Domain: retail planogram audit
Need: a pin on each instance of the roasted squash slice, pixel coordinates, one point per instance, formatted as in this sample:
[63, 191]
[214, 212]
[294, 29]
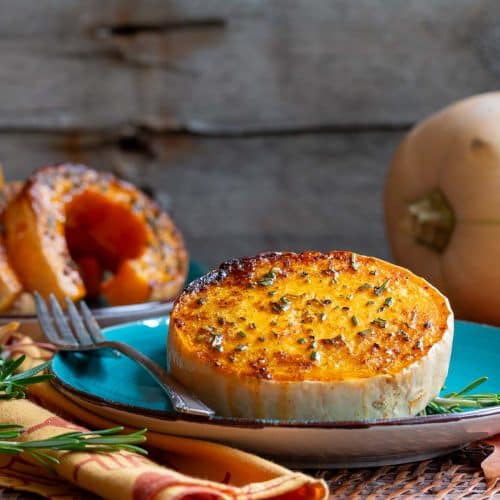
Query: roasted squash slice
[10, 286]
[70, 214]
[334, 336]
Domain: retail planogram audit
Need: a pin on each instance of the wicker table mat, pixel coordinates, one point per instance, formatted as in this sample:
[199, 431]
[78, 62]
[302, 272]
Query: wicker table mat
[453, 476]
[450, 477]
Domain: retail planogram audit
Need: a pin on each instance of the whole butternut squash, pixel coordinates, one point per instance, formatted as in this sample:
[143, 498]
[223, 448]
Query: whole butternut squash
[442, 204]
[70, 214]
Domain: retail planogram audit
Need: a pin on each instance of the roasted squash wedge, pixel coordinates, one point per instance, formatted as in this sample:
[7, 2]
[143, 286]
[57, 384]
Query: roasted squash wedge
[10, 286]
[70, 214]
[334, 336]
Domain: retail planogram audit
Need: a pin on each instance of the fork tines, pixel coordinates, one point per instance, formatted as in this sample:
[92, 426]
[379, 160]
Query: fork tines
[82, 329]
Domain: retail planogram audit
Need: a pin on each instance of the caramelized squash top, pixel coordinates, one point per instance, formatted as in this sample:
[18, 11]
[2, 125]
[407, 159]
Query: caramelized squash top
[309, 316]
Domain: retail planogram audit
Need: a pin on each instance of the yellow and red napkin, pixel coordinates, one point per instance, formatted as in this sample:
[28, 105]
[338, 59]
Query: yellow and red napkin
[182, 468]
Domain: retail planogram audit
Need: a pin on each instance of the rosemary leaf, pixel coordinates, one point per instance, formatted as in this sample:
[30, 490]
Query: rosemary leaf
[106, 440]
[456, 402]
[14, 385]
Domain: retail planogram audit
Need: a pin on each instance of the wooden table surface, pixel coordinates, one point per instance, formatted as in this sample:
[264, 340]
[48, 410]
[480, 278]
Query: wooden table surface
[262, 125]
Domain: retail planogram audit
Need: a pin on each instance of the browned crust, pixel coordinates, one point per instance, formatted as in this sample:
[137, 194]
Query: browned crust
[239, 274]
[244, 266]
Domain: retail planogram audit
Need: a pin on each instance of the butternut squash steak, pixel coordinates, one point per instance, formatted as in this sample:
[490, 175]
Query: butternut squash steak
[71, 226]
[334, 336]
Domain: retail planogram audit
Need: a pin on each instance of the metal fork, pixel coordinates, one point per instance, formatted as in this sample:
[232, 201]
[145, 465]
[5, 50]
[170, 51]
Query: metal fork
[82, 333]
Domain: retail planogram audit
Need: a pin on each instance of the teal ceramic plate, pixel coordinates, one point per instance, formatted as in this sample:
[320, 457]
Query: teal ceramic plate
[118, 389]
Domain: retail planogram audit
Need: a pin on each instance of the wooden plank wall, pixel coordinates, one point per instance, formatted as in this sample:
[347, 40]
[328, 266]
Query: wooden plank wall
[263, 124]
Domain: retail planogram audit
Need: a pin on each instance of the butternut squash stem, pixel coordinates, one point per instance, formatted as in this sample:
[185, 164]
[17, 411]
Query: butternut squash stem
[433, 220]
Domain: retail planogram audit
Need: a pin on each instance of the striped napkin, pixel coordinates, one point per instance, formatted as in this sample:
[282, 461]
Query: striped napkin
[177, 467]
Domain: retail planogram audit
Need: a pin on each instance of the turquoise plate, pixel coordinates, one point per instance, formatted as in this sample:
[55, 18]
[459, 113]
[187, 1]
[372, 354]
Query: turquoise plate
[475, 353]
[120, 390]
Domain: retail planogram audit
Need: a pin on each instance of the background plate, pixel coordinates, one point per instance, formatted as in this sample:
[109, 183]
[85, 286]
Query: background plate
[108, 316]
[91, 381]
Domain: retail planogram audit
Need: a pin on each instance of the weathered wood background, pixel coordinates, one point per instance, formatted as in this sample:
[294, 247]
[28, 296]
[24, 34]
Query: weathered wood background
[263, 124]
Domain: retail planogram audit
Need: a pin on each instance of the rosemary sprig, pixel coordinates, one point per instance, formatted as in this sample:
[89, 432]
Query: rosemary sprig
[107, 440]
[14, 385]
[456, 402]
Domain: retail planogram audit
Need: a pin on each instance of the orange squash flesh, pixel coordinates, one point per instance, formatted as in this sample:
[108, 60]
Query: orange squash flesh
[69, 214]
[114, 229]
[128, 286]
[10, 286]
[91, 272]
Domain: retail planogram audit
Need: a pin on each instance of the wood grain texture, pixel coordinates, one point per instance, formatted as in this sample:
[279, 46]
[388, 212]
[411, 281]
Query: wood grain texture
[262, 125]
[241, 196]
[239, 67]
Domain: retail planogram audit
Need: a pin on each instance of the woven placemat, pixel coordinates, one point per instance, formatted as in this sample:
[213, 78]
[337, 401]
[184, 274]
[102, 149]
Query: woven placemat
[453, 476]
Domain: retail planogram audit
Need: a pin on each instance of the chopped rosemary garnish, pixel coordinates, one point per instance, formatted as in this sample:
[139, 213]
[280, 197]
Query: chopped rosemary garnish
[216, 340]
[379, 322]
[355, 321]
[285, 301]
[241, 347]
[242, 334]
[107, 440]
[388, 302]
[281, 306]
[404, 335]
[364, 333]
[379, 289]
[302, 340]
[315, 356]
[364, 286]
[267, 279]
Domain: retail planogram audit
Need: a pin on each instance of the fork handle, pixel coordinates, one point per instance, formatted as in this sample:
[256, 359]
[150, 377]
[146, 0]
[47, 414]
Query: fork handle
[180, 398]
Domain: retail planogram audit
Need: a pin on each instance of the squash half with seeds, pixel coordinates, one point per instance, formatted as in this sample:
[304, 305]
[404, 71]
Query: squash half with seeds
[334, 336]
[72, 230]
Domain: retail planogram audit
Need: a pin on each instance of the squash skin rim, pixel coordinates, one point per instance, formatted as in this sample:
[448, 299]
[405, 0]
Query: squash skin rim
[235, 395]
